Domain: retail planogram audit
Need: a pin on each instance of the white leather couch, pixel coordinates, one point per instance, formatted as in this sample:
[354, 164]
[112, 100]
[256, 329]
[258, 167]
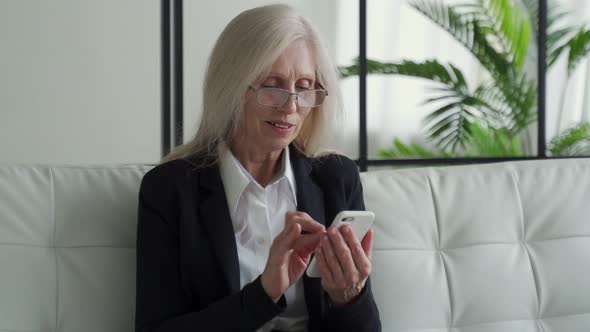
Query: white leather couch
[486, 248]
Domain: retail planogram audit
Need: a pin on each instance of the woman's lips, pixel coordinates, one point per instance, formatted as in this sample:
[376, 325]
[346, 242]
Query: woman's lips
[281, 124]
[281, 127]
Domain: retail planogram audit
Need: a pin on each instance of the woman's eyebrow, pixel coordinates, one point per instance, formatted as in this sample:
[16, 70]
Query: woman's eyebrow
[310, 76]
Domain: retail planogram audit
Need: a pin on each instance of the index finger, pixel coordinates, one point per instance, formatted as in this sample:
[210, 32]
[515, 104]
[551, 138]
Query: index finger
[308, 242]
[367, 243]
[360, 250]
[307, 223]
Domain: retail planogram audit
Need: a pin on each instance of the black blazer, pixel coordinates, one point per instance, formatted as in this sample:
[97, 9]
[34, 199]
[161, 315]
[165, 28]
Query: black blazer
[188, 276]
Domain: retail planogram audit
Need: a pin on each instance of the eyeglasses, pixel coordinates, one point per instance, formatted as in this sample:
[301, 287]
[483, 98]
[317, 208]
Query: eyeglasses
[276, 97]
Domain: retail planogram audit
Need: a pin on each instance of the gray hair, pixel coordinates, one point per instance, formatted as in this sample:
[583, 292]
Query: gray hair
[245, 51]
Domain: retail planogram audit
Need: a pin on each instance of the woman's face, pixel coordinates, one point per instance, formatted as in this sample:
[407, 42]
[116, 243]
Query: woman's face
[270, 129]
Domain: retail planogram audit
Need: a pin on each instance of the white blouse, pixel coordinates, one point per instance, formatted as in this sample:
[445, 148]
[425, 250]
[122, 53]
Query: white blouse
[258, 216]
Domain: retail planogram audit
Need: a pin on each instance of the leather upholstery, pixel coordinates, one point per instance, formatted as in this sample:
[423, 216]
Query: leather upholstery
[486, 248]
[501, 247]
[67, 248]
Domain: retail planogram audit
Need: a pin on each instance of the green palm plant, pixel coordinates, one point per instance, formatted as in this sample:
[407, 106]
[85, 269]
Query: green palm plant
[574, 141]
[498, 33]
[493, 143]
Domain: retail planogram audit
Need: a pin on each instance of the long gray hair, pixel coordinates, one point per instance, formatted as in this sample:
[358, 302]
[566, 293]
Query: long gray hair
[244, 52]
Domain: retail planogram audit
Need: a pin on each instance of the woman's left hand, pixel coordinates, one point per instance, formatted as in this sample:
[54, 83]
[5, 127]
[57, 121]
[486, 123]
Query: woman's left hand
[344, 263]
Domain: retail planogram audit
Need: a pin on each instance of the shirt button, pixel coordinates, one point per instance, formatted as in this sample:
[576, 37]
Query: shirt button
[260, 241]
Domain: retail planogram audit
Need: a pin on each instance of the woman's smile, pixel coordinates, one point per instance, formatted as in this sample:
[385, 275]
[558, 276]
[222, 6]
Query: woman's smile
[282, 128]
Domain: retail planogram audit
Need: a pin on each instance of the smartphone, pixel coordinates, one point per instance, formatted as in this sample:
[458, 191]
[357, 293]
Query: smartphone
[359, 222]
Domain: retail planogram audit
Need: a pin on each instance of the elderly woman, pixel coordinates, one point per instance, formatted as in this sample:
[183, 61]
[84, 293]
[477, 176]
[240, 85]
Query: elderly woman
[229, 221]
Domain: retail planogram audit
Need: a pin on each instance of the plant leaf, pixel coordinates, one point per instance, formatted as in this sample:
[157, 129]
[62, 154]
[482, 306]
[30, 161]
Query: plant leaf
[579, 46]
[467, 30]
[509, 104]
[557, 31]
[507, 24]
[490, 142]
[574, 141]
[400, 149]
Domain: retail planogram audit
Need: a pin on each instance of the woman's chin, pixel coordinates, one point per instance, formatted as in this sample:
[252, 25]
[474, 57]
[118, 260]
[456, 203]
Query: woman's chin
[279, 144]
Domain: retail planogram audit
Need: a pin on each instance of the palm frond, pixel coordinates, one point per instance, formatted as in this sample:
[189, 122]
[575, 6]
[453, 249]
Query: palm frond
[447, 122]
[574, 141]
[579, 46]
[510, 104]
[494, 106]
[490, 142]
[433, 70]
[557, 31]
[524, 106]
[554, 15]
[467, 29]
[557, 43]
[506, 25]
[532, 8]
[514, 28]
[400, 149]
[449, 125]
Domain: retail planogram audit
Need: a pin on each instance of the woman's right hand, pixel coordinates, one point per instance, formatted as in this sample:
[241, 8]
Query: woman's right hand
[290, 253]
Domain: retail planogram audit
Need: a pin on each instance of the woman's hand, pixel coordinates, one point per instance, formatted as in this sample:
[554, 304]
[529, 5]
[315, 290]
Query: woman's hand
[290, 253]
[344, 263]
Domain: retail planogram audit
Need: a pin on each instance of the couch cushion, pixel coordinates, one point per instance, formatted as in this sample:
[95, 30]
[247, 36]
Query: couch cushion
[485, 248]
[498, 247]
[67, 248]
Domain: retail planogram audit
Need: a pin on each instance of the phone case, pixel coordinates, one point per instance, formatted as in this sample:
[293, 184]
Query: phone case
[359, 221]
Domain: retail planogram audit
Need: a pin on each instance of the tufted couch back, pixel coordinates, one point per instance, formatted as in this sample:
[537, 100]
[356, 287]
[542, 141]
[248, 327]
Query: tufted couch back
[488, 248]
[67, 248]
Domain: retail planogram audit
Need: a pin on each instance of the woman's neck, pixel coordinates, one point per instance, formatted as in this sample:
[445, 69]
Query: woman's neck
[262, 165]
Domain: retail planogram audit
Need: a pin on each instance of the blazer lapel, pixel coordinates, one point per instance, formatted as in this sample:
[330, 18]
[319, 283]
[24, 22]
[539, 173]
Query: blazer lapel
[310, 197]
[217, 222]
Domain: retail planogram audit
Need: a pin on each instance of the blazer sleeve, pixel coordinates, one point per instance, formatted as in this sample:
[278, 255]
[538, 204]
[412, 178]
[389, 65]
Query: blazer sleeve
[362, 314]
[161, 301]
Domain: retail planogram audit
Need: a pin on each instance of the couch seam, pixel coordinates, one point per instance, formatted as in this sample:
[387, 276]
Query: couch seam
[519, 320]
[561, 316]
[436, 216]
[440, 252]
[526, 248]
[374, 248]
[54, 248]
[484, 244]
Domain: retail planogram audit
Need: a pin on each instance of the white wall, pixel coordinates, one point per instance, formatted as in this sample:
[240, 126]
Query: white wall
[79, 81]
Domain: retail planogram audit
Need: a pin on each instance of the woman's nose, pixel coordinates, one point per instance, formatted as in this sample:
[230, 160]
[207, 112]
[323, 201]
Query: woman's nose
[290, 105]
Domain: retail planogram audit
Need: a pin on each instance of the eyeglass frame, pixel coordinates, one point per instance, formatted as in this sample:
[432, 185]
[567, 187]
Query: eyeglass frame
[289, 94]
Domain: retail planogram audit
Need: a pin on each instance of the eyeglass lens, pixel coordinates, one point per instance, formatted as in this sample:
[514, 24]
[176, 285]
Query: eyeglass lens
[277, 97]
